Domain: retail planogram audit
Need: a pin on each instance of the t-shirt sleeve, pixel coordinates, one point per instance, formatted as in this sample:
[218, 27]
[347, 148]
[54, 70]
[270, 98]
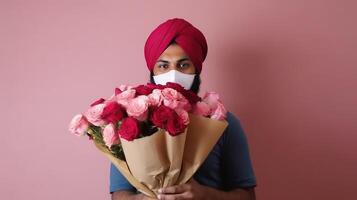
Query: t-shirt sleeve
[237, 167]
[118, 181]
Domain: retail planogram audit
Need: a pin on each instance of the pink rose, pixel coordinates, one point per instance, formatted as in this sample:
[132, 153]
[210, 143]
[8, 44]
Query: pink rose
[138, 107]
[110, 135]
[174, 99]
[94, 113]
[188, 94]
[125, 87]
[219, 113]
[170, 97]
[99, 101]
[212, 99]
[111, 99]
[202, 108]
[184, 104]
[78, 125]
[124, 97]
[155, 98]
[117, 91]
[183, 114]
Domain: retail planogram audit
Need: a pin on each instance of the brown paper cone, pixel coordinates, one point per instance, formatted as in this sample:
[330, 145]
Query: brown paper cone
[123, 168]
[161, 160]
[202, 134]
[156, 160]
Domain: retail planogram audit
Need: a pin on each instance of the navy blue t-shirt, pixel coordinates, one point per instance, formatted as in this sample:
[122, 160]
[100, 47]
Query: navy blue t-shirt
[228, 165]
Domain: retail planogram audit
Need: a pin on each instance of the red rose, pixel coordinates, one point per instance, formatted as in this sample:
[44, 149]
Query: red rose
[154, 86]
[175, 125]
[99, 101]
[175, 86]
[160, 115]
[143, 90]
[113, 112]
[192, 97]
[129, 129]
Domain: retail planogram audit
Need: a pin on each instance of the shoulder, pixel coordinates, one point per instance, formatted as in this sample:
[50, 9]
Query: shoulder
[234, 124]
[232, 119]
[234, 131]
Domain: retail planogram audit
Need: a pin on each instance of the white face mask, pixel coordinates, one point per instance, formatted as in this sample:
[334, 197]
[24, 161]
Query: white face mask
[185, 80]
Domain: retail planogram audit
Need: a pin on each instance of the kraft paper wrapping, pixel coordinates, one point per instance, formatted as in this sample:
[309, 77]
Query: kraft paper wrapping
[156, 160]
[161, 160]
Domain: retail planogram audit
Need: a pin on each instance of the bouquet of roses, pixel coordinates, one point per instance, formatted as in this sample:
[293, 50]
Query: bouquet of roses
[156, 135]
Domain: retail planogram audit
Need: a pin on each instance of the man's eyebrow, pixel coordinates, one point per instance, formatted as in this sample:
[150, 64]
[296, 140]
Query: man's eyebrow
[183, 59]
[180, 60]
[165, 61]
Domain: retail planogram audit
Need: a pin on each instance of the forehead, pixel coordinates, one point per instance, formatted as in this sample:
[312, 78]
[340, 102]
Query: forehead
[173, 52]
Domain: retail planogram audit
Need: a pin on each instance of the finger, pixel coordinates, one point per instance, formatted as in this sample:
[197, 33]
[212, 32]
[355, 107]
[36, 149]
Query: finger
[177, 189]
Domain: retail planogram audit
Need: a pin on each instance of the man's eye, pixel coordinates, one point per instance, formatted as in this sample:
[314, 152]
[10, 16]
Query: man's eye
[164, 66]
[184, 65]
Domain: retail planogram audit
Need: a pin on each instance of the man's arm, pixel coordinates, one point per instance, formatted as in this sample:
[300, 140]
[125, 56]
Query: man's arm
[120, 188]
[128, 195]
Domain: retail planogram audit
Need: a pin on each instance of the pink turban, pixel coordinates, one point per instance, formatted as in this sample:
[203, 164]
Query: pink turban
[189, 38]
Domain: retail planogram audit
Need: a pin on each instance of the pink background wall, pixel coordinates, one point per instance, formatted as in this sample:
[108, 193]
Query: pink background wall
[286, 68]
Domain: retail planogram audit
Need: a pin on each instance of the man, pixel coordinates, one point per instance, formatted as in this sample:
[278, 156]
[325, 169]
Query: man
[174, 52]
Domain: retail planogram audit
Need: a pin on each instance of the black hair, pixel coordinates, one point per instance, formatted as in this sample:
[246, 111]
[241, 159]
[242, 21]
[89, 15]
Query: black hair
[195, 85]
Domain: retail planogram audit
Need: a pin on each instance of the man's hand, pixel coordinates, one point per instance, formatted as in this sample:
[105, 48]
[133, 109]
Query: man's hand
[193, 190]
